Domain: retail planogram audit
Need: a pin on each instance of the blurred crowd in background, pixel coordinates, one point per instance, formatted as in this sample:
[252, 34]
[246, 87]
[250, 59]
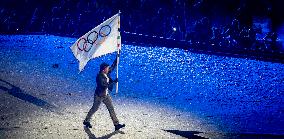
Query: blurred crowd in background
[215, 24]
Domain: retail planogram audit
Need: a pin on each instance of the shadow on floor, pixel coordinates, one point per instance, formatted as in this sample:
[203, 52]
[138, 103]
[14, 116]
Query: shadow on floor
[93, 136]
[20, 94]
[186, 134]
[9, 128]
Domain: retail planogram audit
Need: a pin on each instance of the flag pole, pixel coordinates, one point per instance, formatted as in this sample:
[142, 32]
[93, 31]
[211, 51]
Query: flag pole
[117, 72]
[118, 50]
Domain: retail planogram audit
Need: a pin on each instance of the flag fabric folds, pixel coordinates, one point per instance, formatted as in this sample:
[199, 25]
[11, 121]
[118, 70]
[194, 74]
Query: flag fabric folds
[101, 40]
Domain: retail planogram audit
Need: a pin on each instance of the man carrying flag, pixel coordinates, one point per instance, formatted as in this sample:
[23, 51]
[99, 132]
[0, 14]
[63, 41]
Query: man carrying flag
[101, 40]
[104, 86]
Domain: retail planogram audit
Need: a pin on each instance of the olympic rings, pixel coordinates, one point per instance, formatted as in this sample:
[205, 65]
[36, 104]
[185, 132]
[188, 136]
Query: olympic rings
[105, 30]
[94, 35]
[85, 44]
[78, 44]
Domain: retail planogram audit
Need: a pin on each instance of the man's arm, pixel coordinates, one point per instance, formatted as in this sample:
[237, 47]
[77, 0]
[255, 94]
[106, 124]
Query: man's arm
[113, 65]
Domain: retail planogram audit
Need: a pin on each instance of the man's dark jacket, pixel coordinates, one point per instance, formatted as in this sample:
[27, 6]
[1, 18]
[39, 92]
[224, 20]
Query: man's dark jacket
[102, 84]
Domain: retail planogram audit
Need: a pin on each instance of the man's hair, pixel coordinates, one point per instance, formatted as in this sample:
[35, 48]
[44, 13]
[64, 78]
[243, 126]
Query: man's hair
[103, 66]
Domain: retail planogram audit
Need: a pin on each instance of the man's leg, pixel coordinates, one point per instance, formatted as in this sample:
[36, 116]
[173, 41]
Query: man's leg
[108, 102]
[95, 107]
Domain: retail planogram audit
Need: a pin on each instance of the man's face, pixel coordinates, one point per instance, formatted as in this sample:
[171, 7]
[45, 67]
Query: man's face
[106, 70]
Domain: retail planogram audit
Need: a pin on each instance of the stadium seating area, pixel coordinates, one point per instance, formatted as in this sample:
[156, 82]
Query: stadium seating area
[232, 26]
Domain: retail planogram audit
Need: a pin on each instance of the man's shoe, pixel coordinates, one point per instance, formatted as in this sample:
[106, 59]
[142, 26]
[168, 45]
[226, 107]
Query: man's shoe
[117, 127]
[87, 124]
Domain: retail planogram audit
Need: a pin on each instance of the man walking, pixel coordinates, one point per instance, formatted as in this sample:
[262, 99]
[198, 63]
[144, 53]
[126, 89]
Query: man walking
[104, 87]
